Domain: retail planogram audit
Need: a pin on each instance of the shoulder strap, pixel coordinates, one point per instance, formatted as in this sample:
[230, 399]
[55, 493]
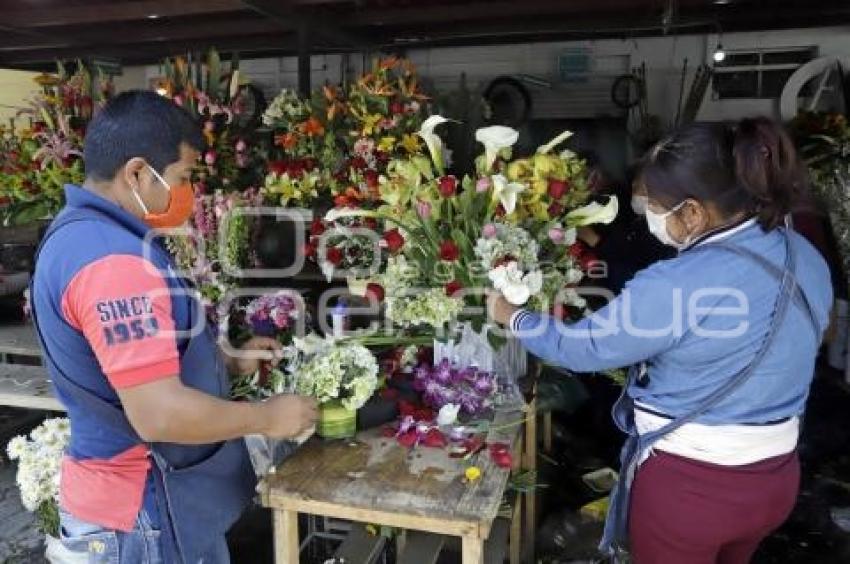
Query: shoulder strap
[111, 414]
[786, 290]
[799, 296]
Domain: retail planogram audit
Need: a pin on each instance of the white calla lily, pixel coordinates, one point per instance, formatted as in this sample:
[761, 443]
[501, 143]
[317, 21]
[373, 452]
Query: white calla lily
[543, 149]
[495, 138]
[433, 141]
[514, 285]
[594, 213]
[506, 192]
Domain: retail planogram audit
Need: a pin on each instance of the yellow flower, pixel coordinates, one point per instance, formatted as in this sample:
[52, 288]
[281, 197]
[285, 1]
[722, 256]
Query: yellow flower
[472, 473]
[386, 144]
[370, 123]
[518, 169]
[410, 142]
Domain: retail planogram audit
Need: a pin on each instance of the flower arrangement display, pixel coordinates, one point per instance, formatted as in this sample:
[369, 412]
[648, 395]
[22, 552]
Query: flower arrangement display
[220, 242]
[511, 226]
[37, 162]
[39, 460]
[824, 141]
[211, 92]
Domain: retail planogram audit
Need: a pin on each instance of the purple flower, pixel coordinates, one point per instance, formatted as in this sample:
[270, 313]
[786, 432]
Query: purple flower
[483, 384]
[482, 185]
[423, 209]
[407, 423]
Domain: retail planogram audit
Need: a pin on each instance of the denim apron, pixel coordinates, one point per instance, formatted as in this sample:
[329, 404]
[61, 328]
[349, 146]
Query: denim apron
[615, 536]
[201, 490]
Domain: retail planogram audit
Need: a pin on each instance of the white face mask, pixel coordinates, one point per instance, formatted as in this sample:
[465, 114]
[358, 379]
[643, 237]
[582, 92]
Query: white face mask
[639, 204]
[657, 223]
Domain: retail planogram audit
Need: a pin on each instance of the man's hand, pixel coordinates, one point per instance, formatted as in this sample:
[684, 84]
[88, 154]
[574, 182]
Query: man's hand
[289, 416]
[499, 309]
[259, 350]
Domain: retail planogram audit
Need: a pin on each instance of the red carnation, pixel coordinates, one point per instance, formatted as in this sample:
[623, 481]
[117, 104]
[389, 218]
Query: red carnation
[317, 227]
[449, 251]
[397, 108]
[394, 240]
[375, 291]
[453, 288]
[448, 186]
[371, 223]
[557, 188]
[334, 256]
[358, 163]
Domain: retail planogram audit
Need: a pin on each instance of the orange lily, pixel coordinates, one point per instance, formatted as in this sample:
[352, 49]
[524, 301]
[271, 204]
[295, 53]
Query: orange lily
[388, 63]
[286, 140]
[312, 127]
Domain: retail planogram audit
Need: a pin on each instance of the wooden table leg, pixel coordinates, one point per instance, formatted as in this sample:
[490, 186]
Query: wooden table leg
[530, 463]
[515, 538]
[547, 432]
[473, 550]
[286, 537]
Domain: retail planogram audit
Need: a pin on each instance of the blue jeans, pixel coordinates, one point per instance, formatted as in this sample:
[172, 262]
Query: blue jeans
[139, 546]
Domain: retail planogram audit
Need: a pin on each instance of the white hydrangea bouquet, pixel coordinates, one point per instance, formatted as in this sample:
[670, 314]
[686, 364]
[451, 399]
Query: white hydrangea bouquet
[342, 376]
[39, 459]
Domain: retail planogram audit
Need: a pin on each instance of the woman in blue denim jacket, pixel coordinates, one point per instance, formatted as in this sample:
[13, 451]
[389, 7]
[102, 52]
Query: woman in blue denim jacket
[724, 339]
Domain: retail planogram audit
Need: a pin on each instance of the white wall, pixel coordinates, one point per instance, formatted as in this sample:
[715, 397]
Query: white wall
[663, 57]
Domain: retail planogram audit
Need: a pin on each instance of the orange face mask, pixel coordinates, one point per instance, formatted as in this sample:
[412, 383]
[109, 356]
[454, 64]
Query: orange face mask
[181, 201]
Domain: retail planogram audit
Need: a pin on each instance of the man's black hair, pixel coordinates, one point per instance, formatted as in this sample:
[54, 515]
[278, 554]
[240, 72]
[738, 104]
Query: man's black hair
[137, 123]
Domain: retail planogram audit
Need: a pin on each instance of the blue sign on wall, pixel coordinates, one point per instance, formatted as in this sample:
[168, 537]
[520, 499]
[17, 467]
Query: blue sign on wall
[575, 64]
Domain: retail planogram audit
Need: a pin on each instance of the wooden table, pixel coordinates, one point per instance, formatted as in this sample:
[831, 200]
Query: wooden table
[19, 339]
[28, 387]
[372, 479]
[23, 385]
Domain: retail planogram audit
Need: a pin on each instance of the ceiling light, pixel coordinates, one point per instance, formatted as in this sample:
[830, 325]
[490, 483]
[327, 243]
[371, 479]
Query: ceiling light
[722, 2]
[719, 54]
[162, 91]
[153, 16]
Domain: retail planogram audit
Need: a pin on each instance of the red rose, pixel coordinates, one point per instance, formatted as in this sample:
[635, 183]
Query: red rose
[309, 249]
[375, 291]
[394, 240]
[448, 186]
[576, 250]
[449, 251]
[371, 223]
[397, 108]
[555, 209]
[453, 288]
[371, 177]
[557, 188]
[334, 256]
[317, 227]
[587, 261]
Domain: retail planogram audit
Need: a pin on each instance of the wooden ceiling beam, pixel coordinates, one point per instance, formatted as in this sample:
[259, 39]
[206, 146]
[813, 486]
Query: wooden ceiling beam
[108, 12]
[318, 22]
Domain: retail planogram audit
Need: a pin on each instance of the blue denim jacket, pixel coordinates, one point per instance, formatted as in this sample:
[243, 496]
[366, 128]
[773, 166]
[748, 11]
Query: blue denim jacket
[696, 320]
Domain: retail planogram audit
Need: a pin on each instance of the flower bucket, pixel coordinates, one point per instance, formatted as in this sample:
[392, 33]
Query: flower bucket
[335, 421]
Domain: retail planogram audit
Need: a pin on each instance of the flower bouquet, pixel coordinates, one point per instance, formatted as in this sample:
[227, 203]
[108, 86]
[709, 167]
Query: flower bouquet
[341, 376]
[39, 460]
[512, 233]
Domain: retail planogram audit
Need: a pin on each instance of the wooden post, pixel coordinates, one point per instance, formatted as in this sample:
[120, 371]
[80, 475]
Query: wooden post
[286, 549]
[473, 550]
[530, 463]
[304, 58]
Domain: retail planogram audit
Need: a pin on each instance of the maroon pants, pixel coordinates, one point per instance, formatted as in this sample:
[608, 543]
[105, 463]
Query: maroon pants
[688, 512]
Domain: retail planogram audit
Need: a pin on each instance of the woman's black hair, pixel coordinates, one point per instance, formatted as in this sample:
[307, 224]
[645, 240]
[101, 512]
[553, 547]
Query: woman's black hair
[750, 166]
[137, 123]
